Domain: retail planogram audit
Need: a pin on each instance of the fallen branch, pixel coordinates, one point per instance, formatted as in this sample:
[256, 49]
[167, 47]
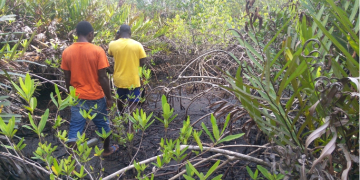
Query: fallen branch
[230, 153]
[190, 147]
[113, 175]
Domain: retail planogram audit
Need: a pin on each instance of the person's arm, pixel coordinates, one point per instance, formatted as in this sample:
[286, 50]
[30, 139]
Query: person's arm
[109, 50]
[142, 55]
[104, 83]
[66, 68]
[142, 62]
[67, 79]
[103, 79]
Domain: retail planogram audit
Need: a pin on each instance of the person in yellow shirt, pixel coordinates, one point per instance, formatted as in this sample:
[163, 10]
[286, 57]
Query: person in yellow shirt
[128, 55]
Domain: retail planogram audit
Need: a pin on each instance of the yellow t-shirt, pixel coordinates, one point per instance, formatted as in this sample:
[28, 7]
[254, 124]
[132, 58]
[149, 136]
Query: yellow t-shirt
[127, 54]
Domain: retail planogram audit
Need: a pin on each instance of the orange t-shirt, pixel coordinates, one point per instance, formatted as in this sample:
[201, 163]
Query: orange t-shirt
[83, 60]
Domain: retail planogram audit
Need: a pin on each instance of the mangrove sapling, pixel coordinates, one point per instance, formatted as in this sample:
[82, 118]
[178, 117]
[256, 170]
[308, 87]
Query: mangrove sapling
[87, 115]
[40, 127]
[140, 168]
[70, 100]
[190, 170]
[253, 175]
[167, 114]
[44, 150]
[216, 137]
[140, 121]
[185, 131]
[44, 153]
[103, 133]
[57, 168]
[27, 88]
[9, 131]
[119, 129]
[68, 166]
[168, 154]
[179, 154]
[81, 173]
[104, 136]
[84, 151]
[130, 137]
[83, 154]
[26, 91]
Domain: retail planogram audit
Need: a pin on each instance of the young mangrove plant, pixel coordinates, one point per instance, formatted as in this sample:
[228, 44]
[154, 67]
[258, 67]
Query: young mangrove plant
[217, 136]
[167, 113]
[190, 170]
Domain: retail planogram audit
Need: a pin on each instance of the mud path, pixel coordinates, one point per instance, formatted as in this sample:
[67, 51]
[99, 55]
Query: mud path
[150, 144]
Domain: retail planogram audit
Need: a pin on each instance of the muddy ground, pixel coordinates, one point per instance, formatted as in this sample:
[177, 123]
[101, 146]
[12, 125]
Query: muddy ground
[150, 144]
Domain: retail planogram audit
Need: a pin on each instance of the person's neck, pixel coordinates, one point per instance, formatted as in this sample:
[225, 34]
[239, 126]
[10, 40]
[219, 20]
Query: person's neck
[125, 37]
[82, 39]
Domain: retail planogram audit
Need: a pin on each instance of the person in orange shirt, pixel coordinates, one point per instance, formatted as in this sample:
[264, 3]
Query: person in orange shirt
[84, 65]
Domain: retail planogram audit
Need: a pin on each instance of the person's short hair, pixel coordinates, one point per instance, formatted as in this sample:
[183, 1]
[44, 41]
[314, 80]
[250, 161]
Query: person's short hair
[83, 28]
[124, 29]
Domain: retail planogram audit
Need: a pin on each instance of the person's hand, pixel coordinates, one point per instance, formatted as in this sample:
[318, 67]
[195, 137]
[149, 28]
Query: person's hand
[109, 103]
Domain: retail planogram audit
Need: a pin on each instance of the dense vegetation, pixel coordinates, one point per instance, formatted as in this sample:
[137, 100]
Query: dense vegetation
[287, 71]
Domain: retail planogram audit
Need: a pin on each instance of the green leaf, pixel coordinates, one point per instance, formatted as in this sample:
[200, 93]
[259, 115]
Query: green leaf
[193, 169]
[2, 3]
[19, 91]
[3, 126]
[99, 134]
[188, 177]
[207, 131]
[256, 174]
[6, 146]
[265, 172]
[231, 137]
[28, 127]
[159, 119]
[217, 177]
[215, 127]
[189, 172]
[352, 62]
[43, 120]
[33, 104]
[197, 139]
[280, 176]
[149, 124]
[159, 162]
[34, 126]
[163, 100]
[14, 49]
[354, 11]
[357, 26]
[250, 172]
[318, 16]
[212, 169]
[53, 100]
[277, 33]
[299, 69]
[226, 123]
